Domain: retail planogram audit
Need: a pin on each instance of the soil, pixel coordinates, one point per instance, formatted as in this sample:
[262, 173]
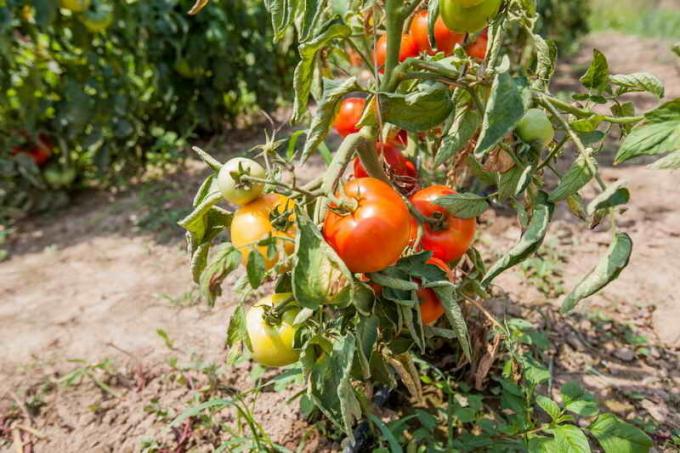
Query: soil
[105, 342]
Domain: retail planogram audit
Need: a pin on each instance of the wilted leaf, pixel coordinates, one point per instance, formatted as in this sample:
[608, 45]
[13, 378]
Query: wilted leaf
[224, 261]
[579, 174]
[607, 270]
[531, 240]
[614, 195]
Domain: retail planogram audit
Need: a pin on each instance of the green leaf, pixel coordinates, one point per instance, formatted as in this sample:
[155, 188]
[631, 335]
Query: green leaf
[507, 105]
[236, 332]
[549, 406]
[659, 134]
[224, 261]
[617, 436]
[570, 439]
[426, 107]
[333, 93]
[302, 79]
[387, 434]
[530, 242]
[586, 125]
[319, 276]
[608, 269]
[579, 174]
[534, 372]
[330, 385]
[255, 269]
[463, 205]
[195, 223]
[308, 17]
[638, 82]
[465, 124]
[454, 314]
[597, 76]
[542, 445]
[614, 195]
[281, 14]
[577, 400]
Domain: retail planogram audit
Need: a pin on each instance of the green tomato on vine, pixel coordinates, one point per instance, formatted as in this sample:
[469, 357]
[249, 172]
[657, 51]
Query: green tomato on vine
[233, 188]
[535, 128]
[272, 344]
[468, 19]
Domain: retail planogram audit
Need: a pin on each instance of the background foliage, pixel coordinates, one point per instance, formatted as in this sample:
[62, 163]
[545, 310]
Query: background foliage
[112, 102]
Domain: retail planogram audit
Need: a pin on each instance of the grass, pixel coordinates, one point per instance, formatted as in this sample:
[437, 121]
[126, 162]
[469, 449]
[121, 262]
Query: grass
[647, 18]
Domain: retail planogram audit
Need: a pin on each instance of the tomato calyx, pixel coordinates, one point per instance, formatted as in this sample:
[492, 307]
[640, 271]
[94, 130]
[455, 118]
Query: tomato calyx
[273, 315]
[281, 218]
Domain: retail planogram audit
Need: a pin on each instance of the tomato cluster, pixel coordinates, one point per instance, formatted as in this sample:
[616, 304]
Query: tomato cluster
[448, 32]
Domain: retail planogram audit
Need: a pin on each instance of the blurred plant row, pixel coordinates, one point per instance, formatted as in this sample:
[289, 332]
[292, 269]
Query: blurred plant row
[92, 92]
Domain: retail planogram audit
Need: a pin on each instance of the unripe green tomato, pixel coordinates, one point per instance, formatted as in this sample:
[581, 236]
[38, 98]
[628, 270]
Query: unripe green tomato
[468, 20]
[240, 192]
[535, 127]
[58, 177]
[272, 345]
[77, 6]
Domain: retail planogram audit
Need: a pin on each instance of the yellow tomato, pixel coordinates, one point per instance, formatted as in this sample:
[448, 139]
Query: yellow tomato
[272, 345]
[252, 223]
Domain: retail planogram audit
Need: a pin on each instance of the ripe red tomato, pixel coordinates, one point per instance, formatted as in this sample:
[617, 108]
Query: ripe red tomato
[39, 153]
[450, 239]
[375, 233]
[400, 169]
[478, 48]
[407, 48]
[431, 308]
[445, 39]
[348, 116]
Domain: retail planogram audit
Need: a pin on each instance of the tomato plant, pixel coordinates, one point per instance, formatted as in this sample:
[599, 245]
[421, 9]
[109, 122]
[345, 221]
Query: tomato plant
[374, 300]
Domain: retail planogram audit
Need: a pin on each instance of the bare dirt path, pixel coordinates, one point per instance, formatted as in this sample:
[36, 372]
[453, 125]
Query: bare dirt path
[98, 280]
